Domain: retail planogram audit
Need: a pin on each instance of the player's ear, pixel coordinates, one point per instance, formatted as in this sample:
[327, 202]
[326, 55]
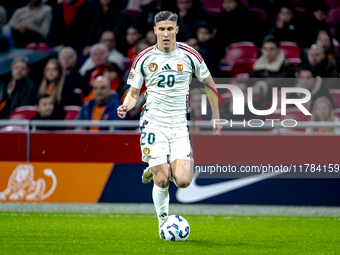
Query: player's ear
[177, 30]
[155, 30]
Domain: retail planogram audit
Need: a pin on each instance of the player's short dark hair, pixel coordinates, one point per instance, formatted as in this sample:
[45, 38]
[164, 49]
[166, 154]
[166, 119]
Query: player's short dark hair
[165, 15]
[40, 96]
[272, 39]
[307, 67]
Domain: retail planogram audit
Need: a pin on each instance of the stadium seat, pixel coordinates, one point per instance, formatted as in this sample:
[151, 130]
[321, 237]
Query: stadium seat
[336, 97]
[333, 3]
[299, 3]
[240, 50]
[259, 12]
[337, 112]
[13, 129]
[71, 112]
[38, 46]
[290, 49]
[208, 4]
[243, 66]
[333, 19]
[133, 14]
[295, 114]
[300, 10]
[245, 2]
[23, 113]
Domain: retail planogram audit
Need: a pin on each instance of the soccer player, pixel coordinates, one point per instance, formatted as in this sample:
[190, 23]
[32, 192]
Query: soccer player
[166, 68]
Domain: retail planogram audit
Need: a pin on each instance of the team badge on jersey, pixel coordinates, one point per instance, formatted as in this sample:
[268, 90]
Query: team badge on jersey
[146, 151]
[179, 66]
[153, 67]
[131, 76]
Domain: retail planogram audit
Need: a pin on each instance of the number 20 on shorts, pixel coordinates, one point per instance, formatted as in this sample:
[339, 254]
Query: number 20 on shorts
[151, 138]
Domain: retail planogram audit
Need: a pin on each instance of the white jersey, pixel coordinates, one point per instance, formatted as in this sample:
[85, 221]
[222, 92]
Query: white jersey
[167, 78]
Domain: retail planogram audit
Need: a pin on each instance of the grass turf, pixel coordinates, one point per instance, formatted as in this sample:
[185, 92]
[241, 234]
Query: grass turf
[93, 233]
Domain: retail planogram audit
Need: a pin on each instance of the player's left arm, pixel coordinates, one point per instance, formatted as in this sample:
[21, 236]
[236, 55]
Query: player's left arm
[214, 107]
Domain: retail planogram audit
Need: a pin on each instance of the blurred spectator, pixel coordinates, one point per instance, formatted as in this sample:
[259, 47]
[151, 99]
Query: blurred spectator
[313, 83]
[107, 38]
[325, 41]
[31, 23]
[286, 27]
[45, 111]
[106, 17]
[70, 24]
[99, 55]
[189, 13]
[207, 46]
[314, 21]
[150, 10]
[195, 110]
[3, 17]
[68, 59]
[271, 68]
[57, 85]
[113, 74]
[324, 66]
[323, 111]
[103, 106]
[272, 63]
[133, 36]
[233, 12]
[143, 45]
[151, 37]
[227, 112]
[19, 91]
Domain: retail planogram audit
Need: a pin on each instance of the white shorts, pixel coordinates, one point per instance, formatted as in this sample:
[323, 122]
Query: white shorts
[164, 144]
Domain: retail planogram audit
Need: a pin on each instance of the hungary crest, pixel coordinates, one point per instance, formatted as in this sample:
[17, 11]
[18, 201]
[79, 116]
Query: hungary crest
[153, 67]
[179, 66]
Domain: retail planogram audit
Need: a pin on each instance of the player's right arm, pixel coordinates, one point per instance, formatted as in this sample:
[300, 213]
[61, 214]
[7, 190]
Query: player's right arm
[129, 102]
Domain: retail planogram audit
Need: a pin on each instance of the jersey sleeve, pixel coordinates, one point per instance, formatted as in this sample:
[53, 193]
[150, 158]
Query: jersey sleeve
[135, 78]
[201, 71]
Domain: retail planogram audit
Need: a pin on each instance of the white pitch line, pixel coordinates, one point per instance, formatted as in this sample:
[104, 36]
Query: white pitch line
[205, 209]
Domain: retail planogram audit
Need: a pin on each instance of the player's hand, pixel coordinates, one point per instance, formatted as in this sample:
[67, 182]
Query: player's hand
[217, 128]
[121, 111]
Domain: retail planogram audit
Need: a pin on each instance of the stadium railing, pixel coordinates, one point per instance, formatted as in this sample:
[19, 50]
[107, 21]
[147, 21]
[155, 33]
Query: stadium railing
[31, 126]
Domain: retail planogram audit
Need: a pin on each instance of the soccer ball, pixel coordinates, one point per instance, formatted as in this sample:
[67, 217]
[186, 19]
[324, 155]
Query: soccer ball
[174, 228]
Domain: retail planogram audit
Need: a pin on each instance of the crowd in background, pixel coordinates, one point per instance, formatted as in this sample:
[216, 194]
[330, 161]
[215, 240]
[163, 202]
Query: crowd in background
[97, 40]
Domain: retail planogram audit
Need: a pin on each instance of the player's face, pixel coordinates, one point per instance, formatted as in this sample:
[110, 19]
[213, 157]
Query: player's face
[166, 33]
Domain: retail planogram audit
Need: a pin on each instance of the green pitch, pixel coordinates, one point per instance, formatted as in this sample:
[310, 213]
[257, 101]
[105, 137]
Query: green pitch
[93, 233]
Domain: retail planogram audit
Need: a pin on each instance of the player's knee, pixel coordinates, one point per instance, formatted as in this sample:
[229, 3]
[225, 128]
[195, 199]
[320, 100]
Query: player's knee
[162, 182]
[183, 182]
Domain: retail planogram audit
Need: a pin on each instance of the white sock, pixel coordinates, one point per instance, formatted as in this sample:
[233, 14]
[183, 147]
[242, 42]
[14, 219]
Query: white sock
[161, 199]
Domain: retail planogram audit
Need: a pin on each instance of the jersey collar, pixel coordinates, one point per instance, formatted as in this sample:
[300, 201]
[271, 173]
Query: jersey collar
[163, 53]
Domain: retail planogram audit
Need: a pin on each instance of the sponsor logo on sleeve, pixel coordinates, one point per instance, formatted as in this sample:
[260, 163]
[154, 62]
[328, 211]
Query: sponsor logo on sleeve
[131, 76]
